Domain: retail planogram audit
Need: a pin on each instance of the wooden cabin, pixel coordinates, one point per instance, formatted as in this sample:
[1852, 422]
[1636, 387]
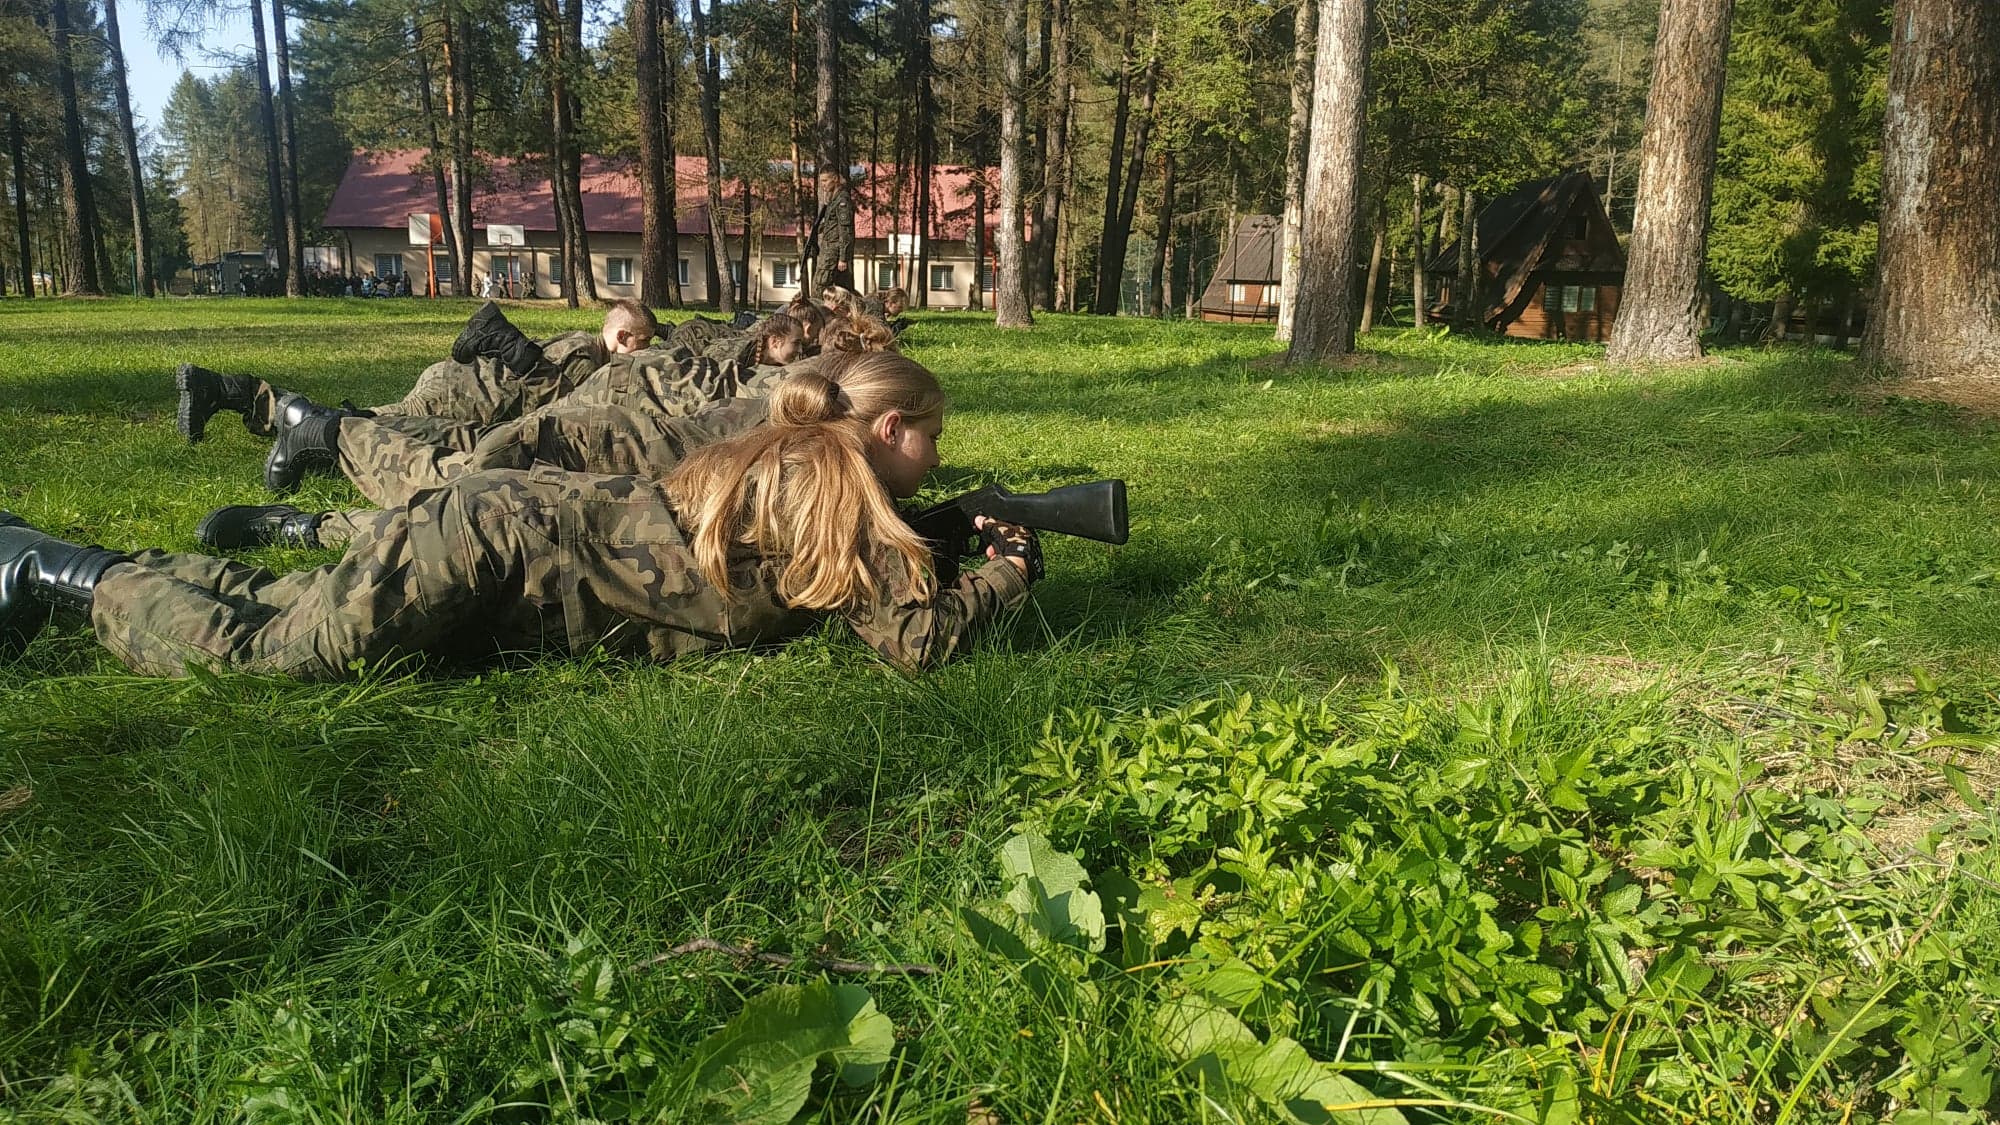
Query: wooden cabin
[1551, 265]
[1245, 284]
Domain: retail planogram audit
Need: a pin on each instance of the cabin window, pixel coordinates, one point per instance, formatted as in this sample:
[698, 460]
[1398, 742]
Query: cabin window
[556, 274]
[941, 279]
[1569, 298]
[1239, 293]
[681, 270]
[618, 271]
[388, 265]
[989, 276]
[784, 275]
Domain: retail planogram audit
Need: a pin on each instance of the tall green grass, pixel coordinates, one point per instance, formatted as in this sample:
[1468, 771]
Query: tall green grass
[229, 897]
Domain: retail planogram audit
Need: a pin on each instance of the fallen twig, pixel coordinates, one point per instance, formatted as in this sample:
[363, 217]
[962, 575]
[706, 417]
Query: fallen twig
[710, 945]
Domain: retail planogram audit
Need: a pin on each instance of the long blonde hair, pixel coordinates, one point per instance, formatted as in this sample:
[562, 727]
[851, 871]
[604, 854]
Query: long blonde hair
[802, 486]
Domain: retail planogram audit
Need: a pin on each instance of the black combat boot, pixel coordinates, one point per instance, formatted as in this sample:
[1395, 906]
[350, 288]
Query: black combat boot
[308, 438]
[203, 392]
[490, 334]
[40, 574]
[258, 525]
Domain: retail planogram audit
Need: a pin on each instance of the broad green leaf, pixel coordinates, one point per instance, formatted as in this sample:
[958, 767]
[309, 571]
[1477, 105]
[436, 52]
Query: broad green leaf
[1279, 1073]
[1048, 892]
[758, 1069]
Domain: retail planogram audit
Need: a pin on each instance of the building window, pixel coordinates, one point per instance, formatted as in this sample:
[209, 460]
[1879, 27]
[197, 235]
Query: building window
[1239, 293]
[389, 265]
[442, 266]
[682, 269]
[555, 271]
[1569, 298]
[885, 275]
[989, 276]
[735, 271]
[784, 275]
[940, 279]
[618, 271]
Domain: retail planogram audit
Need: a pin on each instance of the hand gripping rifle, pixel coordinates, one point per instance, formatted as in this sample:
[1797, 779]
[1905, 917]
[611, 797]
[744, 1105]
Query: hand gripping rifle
[1093, 511]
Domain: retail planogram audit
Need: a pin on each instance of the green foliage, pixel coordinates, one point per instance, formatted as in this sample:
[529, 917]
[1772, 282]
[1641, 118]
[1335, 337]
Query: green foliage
[758, 1069]
[1798, 163]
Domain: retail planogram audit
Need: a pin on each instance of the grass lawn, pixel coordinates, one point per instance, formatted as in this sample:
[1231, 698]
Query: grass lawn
[1477, 728]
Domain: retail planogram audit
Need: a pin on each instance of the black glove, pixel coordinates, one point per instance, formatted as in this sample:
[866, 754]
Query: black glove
[1012, 541]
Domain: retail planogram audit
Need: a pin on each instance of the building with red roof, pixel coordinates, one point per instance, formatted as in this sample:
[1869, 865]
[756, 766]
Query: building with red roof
[380, 215]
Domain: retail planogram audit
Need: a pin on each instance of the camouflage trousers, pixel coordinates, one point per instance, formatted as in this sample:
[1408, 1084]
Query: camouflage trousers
[698, 333]
[484, 391]
[499, 561]
[391, 467]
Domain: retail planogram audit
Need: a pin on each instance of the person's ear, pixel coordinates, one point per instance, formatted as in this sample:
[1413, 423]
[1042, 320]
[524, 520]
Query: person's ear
[889, 427]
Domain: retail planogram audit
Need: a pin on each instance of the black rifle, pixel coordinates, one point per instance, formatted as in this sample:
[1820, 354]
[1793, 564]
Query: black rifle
[1093, 511]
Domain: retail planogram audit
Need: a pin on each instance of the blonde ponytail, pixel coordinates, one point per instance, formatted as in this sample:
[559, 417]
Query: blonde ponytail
[803, 488]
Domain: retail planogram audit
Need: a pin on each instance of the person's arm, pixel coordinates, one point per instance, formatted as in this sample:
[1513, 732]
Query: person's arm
[916, 632]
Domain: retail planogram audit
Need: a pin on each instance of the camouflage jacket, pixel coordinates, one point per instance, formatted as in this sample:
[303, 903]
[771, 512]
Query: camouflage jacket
[606, 555]
[672, 382]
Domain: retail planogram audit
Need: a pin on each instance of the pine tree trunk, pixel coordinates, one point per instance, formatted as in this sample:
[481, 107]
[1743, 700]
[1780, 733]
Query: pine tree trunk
[79, 211]
[1056, 169]
[1323, 323]
[1305, 25]
[142, 225]
[583, 279]
[1163, 228]
[659, 273]
[834, 264]
[1374, 267]
[1659, 314]
[722, 291]
[1110, 273]
[23, 231]
[1471, 306]
[1936, 313]
[429, 109]
[799, 199]
[267, 124]
[1010, 297]
[458, 157]
[926, 113]
[288, 144]
[979, 248]
[1119, 238]
[1421, 315]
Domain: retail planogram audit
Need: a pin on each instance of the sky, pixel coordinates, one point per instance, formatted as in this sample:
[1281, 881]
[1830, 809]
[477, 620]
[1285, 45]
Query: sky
[152, 77]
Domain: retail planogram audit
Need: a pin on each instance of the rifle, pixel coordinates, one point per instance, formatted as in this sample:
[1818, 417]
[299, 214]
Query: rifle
[1092, 511]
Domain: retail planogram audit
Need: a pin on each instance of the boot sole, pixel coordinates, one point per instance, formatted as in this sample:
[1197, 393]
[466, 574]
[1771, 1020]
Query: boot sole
[191, 428]
[207, 531]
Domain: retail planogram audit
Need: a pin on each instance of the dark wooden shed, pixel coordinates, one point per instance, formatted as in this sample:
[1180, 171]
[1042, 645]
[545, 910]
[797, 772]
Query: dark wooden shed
[1245, 283]
[1551, 265]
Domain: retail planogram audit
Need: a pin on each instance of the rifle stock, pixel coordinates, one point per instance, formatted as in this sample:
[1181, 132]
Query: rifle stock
[1095, 510]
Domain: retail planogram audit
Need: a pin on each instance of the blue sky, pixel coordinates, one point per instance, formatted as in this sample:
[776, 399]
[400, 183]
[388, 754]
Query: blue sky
[152, 76]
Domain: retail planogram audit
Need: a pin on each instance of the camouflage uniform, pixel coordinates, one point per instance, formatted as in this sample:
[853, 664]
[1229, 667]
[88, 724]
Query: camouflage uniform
[665, 381]
[500, 561]
[698, 333]
[390, 467]
[483, 391]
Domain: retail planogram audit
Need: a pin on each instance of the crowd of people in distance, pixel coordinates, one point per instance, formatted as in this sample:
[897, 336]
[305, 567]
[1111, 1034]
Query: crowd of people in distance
[733, 484]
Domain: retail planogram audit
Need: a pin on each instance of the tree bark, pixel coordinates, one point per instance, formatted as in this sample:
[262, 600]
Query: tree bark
[1056, 168]
[267, 123]
[1120, 236]
[1305, 25]
[834, 263]
[1374, 266]
[1659, 313]
[429, 109]
[1420, 316]
[128, 135]
[1936, 313]
[926, 113]
[1323, 324]
[582, 278]
[1010, 298]
[1163, 227]
[659, 269]
[458, 158]
[288, 143]
[79, 210]
[23, 231]
[722, 290]
[1114, 271]
[1471, 307]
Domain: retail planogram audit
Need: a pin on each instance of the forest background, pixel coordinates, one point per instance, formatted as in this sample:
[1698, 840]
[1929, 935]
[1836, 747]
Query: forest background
[1151, 127]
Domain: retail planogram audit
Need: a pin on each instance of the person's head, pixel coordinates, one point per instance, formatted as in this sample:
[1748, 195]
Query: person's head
[778, 340]
[812, 322]
[628, 326]
[839, 300]
[858, 334]
[895, 300]
[817, 485]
